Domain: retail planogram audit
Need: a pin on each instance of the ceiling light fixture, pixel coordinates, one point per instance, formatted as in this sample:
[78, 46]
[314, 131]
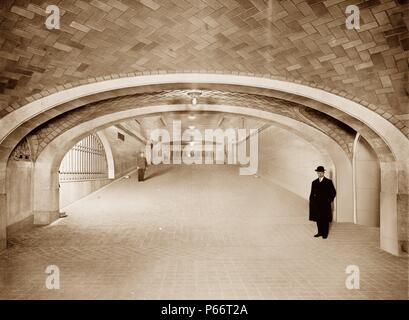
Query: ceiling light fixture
[194, 95]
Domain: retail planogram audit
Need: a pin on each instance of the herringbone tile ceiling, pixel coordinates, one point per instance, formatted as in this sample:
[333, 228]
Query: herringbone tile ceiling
[294, 39]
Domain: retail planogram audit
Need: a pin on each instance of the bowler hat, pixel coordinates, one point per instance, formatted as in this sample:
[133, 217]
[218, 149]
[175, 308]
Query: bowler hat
[320, 169]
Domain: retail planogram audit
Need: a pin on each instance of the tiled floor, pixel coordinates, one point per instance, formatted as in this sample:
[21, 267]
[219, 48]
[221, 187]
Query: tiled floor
[197, 232]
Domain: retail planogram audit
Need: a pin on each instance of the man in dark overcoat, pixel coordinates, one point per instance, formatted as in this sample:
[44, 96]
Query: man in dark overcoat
[321, 196]
[142, 164]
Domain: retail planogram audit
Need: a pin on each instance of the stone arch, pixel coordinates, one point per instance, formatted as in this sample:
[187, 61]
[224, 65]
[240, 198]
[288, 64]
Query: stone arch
[49, 101]
[287, 78]
[12, 139]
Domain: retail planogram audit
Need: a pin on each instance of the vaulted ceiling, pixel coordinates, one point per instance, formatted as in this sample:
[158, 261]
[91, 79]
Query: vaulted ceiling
[337, 130]
[304, 41]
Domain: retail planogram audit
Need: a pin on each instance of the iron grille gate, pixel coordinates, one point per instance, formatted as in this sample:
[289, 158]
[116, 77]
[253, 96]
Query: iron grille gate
[85, 161]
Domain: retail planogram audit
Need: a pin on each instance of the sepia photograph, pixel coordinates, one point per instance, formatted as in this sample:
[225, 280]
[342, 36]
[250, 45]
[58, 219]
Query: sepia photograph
[226, 151]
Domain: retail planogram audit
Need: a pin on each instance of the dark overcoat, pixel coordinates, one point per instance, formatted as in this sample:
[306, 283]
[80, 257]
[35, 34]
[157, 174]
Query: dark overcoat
[141, 162]
[321, 196]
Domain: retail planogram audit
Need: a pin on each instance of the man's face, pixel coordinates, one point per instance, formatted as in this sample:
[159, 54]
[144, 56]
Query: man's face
[320, 174]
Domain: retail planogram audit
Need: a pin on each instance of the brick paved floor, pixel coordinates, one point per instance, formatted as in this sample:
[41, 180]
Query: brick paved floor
[197, 233]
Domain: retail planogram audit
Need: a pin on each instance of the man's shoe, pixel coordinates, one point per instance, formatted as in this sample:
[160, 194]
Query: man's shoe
[324, 237]
[317, 235]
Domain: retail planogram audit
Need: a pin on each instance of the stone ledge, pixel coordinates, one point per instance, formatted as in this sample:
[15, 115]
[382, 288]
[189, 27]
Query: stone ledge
[19, 226]
[45, 217]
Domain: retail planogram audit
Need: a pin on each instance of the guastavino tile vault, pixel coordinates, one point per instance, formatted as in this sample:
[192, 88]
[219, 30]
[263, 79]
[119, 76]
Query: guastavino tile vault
[206, 149]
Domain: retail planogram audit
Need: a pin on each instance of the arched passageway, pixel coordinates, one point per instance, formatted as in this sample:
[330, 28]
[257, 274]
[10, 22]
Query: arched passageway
[390, 143]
